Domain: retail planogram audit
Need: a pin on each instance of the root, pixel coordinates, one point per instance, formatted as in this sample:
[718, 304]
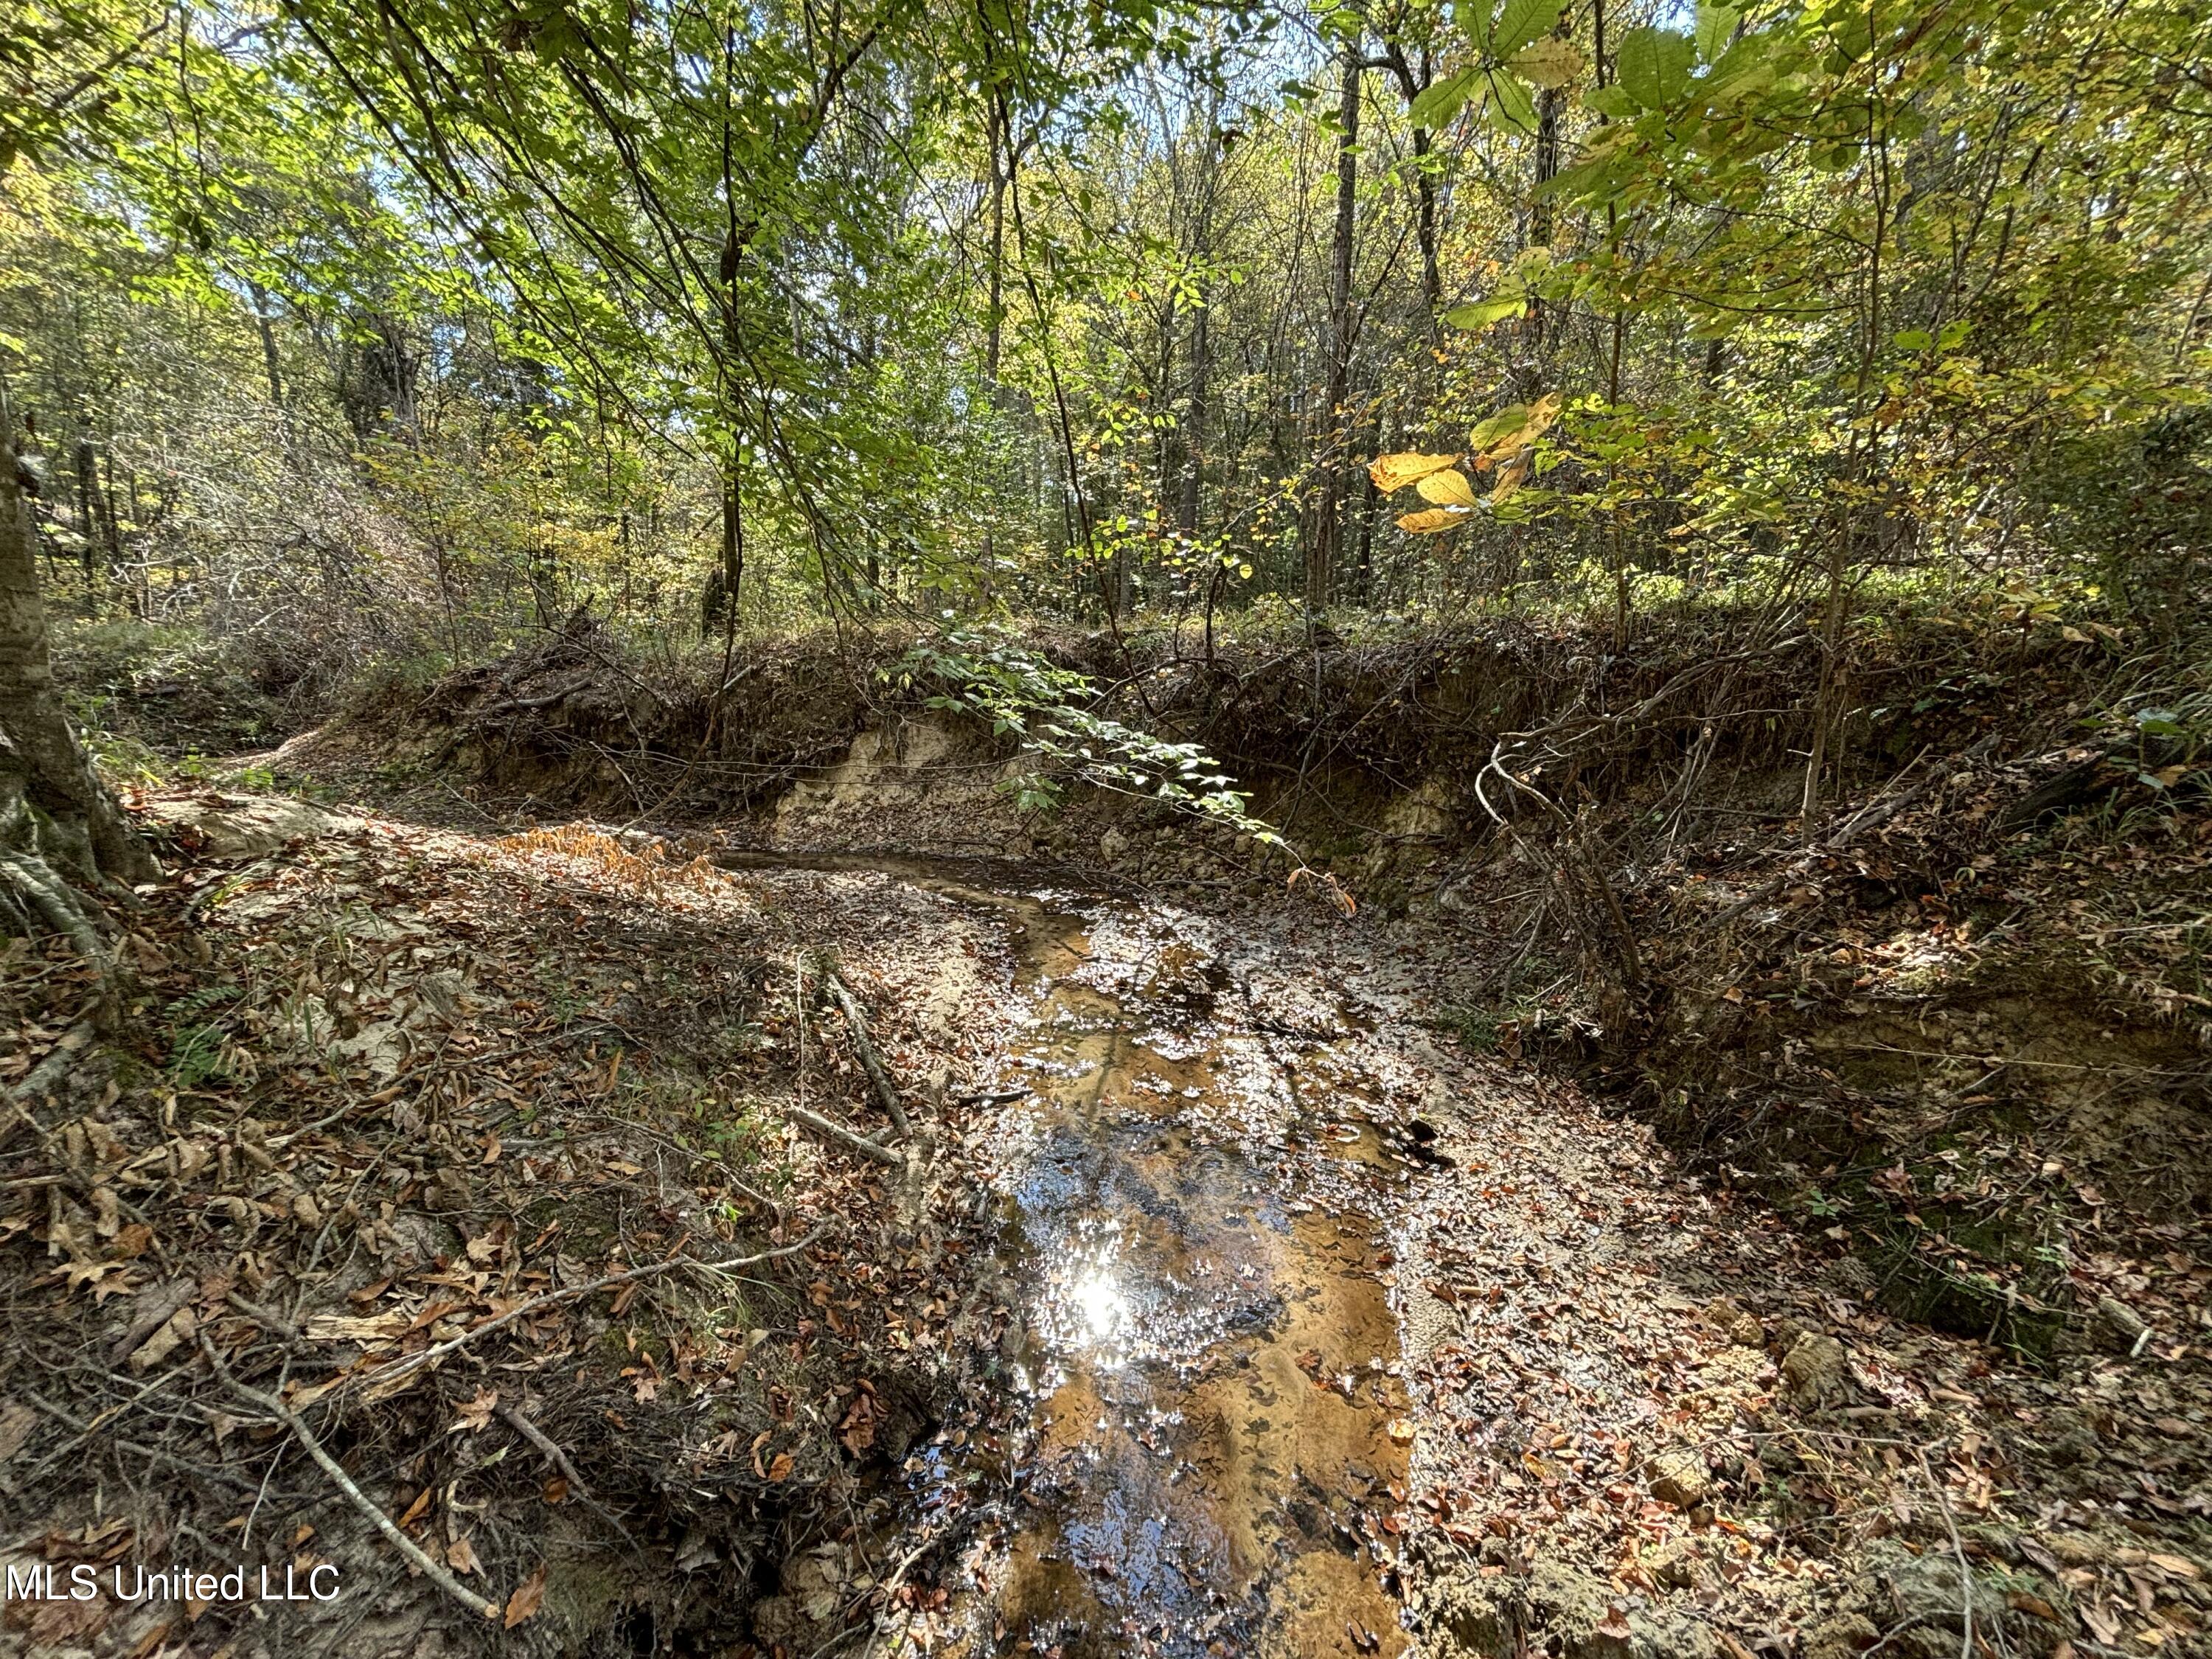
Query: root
[32, 889]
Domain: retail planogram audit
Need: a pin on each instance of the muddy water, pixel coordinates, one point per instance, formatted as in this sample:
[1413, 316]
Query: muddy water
[1195, 1207]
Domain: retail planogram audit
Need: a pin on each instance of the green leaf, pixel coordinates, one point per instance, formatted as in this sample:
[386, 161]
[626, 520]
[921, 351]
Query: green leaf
[1510, 422]
[1481, 314]
[1441, 100]
[1654, 66]
[1613, 101]
[1511, 105]
[1520, 23]
[1716, 28]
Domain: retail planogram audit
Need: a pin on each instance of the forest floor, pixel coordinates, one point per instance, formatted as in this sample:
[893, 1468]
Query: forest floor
[1232, 1290]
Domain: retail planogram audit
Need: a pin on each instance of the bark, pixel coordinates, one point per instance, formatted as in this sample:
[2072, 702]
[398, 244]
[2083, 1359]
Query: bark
[54, 809]
[1322, 546]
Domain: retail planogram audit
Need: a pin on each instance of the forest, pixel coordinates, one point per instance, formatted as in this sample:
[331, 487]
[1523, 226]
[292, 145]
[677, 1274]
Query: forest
[1168, 827]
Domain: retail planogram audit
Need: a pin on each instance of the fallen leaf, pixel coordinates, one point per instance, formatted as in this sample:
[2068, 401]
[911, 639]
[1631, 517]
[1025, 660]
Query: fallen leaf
[179, 1327]
[461, 1556]
[16, 1422]
[528, 1596]
[476, 1413]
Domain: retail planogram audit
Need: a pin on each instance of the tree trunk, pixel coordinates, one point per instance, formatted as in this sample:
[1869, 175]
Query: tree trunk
[1322, 546]
[54, 811]
[1193, 423]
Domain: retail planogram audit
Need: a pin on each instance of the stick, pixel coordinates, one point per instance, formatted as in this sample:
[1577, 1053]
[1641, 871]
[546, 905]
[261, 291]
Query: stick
[838, 1132]
[870, 1062]
[429, 1568]
[1959, 1554]
[438, 1350]
[545, 1444]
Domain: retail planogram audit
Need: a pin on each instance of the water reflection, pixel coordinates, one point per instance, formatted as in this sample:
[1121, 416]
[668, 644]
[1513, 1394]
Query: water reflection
[1187, 1485]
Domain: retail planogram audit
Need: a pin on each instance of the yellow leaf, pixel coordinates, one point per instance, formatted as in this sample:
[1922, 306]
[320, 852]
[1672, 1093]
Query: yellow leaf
[1392, 472]
[1511, 477]
[1448, 487]
[1549, 61]
[1435, 520]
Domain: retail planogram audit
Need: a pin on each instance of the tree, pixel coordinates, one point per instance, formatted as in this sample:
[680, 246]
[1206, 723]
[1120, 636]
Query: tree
[58, 821]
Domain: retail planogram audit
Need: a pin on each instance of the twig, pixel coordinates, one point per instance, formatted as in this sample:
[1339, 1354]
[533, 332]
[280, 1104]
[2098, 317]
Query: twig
[1959, 1551]
[545, 1444]
[837, 1132]
[431, 1569]
[870, 1062]
[551, 1298]
[276, 1324]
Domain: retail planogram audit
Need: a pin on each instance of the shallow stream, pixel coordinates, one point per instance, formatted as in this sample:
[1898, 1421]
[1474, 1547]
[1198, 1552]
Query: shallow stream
[1196, 1203]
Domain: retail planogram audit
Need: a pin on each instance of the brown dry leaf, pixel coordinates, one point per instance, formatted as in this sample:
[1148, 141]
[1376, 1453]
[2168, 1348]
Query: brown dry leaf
[779, 1466]
[96, 1274]
[556, 1489]
[159, 1346]
[16, 1422]
[528, 1596]
[1511, 477]
[417, 1509]
[491, 1149]
[461, 1556]
[858, 1431]
[476, 1413]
